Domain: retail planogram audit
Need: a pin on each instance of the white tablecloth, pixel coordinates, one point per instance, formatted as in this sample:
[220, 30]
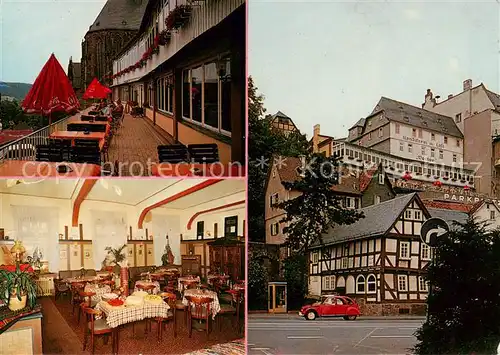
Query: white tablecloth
[180, 285]
[214, 306]
[99, 291]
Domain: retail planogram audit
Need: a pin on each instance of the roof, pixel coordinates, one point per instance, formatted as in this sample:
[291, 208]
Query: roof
[120, 15]
[494, 98]
[360, 123]
[366, 177]
[288, 172]
[378, 220]
[417, 117]
[449, 216]
[280, 114]
[448, 205]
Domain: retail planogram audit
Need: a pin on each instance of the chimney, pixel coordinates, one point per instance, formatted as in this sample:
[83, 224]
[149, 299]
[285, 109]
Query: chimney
[315, 140]
[467, 84]
[450, 96]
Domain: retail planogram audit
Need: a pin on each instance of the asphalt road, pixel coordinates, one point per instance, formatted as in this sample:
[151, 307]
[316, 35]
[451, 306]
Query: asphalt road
[294, 335]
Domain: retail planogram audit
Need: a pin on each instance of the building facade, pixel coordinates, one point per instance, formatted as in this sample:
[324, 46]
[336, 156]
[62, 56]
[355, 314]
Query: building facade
[186, 66]
[379, 260]
[283, 123]
[113, 28]
[409, 132]
[476, 111]
[74, 76]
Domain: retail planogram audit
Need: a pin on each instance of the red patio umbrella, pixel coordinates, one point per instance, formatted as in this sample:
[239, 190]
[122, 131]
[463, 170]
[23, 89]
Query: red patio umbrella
[96, 90]
[51, 92]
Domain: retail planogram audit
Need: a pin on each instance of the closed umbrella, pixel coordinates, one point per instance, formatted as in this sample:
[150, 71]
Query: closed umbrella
[51, 92]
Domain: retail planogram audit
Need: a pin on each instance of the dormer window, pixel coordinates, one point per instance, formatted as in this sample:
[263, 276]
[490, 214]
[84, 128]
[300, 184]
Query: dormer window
[381, 178]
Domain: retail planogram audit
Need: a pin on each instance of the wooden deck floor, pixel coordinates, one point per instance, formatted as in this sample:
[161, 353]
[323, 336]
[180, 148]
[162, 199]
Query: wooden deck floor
[135, 144]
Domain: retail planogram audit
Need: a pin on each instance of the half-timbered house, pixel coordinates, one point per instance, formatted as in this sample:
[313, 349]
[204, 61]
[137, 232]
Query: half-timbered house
[379, 260]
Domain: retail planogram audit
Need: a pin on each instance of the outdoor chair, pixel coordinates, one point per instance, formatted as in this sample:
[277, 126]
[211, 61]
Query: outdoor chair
[101, 118]
[86, 143]
[173, 154]
[48, 153]
[90, 155]
[203, 153]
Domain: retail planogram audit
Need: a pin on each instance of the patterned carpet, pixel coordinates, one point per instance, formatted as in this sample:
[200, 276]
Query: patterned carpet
[138, 343]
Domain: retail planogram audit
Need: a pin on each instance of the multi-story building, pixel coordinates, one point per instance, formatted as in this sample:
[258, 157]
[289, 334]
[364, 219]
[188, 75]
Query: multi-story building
[476, 111]
[186, 66]
[356, 190]
[113, 28]
[380, 260]
[283, 123]
[409, 132]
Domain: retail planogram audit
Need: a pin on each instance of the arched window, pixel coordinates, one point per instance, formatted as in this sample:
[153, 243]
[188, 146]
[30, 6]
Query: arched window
[371, 284]
[360, 284]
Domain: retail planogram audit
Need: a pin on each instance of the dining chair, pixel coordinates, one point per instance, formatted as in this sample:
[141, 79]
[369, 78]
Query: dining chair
[95, 327]
[198, 308]
[228, 309]
[86, 297]
[61, 288]
[146, 288]
[171, 300]
[76, 287]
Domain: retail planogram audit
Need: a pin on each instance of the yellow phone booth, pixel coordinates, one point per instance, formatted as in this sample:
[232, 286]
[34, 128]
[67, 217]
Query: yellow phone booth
[276, 296]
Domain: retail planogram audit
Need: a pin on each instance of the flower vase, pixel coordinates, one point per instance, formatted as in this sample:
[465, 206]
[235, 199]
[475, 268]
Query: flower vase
[124, 280]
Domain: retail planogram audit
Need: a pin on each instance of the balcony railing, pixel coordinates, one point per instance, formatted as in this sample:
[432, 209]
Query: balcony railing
[355, 155]
[25, 148]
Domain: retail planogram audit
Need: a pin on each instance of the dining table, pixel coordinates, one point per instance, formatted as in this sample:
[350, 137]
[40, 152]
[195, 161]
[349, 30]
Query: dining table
[71, 280]
[202, 293]
[42, 169]
[197, 169]
[156, 284]
[98, 289]
[186, 279]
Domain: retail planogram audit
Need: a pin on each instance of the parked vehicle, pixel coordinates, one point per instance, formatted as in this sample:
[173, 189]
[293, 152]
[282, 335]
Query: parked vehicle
[331, 306]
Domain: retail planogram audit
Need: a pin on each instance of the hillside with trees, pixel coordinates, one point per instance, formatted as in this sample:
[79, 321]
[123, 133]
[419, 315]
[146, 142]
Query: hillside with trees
[15, 90]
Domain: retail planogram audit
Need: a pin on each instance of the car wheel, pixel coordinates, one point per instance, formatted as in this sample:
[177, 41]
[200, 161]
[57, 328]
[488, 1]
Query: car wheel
[350, 317]
[311, 315]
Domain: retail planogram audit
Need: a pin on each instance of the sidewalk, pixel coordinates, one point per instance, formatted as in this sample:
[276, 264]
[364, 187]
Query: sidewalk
[294, 315]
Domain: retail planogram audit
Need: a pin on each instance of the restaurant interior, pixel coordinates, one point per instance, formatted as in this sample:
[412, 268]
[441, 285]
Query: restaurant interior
[125, 266]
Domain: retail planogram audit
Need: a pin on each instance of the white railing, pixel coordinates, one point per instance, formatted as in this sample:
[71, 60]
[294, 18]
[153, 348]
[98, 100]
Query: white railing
[358, 156]
[25, 148]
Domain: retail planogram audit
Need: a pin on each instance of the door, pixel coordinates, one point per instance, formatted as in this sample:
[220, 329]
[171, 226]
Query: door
[340, 307]
[328, 307]
[277, 298]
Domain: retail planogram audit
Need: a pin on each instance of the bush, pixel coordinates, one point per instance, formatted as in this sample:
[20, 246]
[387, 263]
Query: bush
[295, 272]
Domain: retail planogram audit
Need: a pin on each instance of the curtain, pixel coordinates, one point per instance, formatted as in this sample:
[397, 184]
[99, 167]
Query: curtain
[110, 230]
[38, 227]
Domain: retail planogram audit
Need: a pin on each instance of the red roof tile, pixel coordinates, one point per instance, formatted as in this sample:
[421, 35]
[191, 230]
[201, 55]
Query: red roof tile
[444, 205]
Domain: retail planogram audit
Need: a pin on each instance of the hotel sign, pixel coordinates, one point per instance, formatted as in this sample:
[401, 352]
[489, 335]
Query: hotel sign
[422, 142]
[469, 198]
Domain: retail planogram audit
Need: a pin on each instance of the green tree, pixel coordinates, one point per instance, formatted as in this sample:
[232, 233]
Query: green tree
[318, 207]
[463, 307]
[295, 273]
[258, 277]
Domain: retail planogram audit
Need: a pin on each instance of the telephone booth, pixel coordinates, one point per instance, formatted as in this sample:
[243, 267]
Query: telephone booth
[277, 297]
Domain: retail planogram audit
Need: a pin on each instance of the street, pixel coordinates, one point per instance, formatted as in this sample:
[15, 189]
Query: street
[294, 335]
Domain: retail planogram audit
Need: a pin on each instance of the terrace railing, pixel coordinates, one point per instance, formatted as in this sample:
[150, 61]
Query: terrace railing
[25, 148]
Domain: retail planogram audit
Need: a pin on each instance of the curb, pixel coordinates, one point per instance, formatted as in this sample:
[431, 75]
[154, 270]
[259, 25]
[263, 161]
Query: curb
[290, 315]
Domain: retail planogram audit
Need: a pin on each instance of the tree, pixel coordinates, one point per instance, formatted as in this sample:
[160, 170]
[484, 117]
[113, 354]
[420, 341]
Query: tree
[463, 311]
[318, 207]
[264, 142]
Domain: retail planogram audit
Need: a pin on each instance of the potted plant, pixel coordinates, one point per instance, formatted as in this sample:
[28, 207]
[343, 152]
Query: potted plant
[18, 288]
[115, 256]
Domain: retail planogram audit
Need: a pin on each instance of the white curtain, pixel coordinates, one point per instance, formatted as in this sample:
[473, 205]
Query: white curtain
[38, 227]
[163, 225]
[110, 230]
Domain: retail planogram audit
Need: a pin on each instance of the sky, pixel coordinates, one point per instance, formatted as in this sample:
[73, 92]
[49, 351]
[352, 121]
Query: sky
[330, 62]
[30, 31]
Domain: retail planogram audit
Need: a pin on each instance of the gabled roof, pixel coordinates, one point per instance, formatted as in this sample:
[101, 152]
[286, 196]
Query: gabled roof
[378, 220]
[417, 117]
[494, 98]
[448, 205]
[360, 123]
[280, 114]
[120, 15]
[449, 216]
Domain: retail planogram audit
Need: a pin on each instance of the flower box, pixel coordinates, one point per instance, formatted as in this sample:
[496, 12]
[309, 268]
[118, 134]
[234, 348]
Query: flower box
[178, 17]
[164, 37]
[349, 157]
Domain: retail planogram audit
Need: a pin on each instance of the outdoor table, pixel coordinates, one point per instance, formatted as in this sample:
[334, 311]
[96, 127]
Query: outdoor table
[181, 280]
[74, 135]
[214, 306]
[42, 169]
[189, 169]
[77, 119]
[156, 290]
[99, 290]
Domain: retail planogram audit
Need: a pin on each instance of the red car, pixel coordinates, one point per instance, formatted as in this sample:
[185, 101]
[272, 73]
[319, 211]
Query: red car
[332, 306]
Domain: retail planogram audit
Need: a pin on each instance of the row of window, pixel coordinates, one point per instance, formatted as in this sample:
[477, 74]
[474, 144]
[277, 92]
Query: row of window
[165, 94]
[415, 215]
[206, 95]
[405, 251]
[424, 151]
[368, 285]
[435, 169]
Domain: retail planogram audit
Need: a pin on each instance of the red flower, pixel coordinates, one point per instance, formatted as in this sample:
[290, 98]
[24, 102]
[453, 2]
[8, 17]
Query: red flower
[407, 176]
[437, 183]
[466, 188]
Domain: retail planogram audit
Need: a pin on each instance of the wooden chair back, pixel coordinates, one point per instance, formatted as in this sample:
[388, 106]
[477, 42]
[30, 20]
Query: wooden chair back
[199, 307]
[203, 153]
[173, 154]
